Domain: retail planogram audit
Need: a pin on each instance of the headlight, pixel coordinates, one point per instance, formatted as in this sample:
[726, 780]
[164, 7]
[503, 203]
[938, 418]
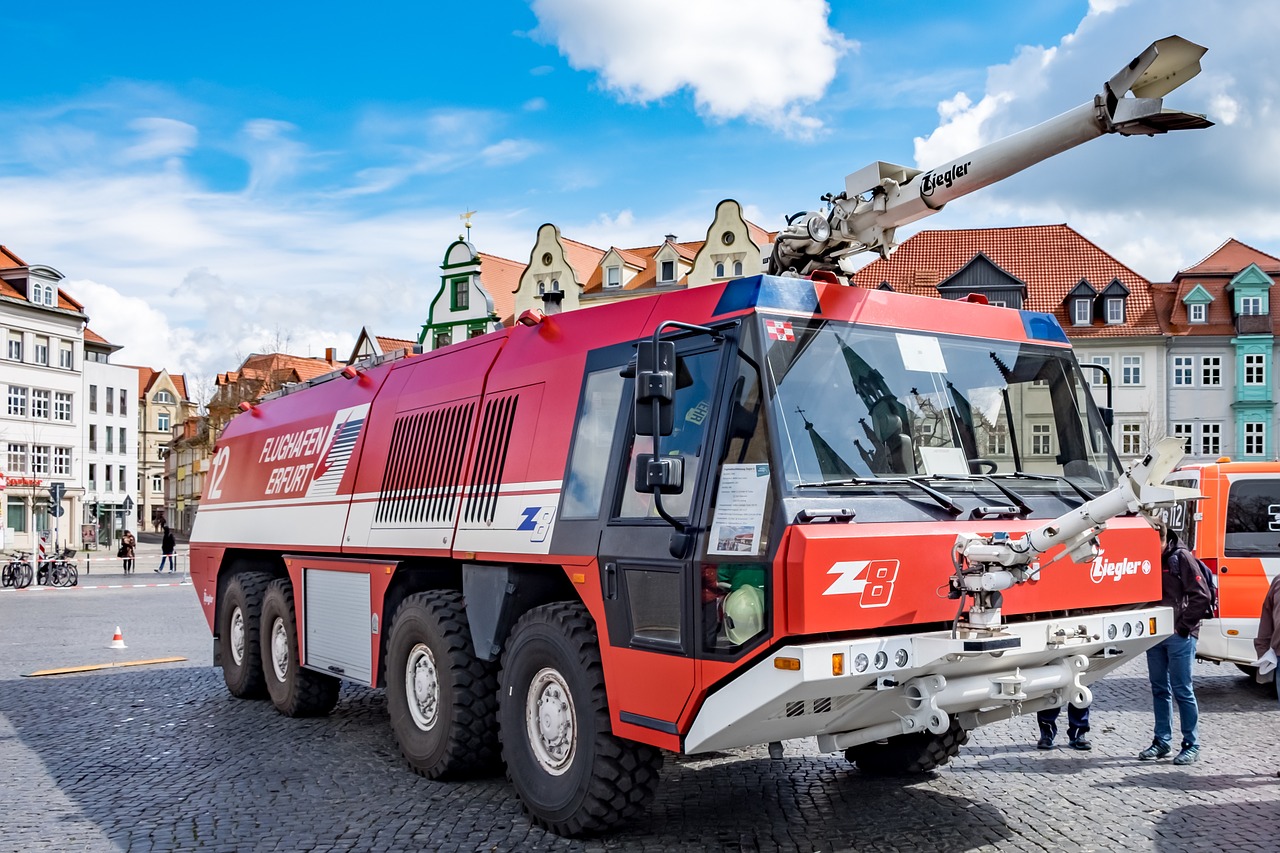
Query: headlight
[900, 658]
[882, 659]
[1128, 630]
[818, 227]
[1137, 628]
[861, 662]
[1111, 632]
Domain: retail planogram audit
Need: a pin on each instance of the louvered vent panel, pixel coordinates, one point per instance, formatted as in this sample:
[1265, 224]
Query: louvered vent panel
[420, 482]
[491, 456]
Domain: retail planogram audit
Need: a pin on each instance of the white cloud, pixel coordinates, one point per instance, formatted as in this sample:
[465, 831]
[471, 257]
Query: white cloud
[160, 138]
[739, 58]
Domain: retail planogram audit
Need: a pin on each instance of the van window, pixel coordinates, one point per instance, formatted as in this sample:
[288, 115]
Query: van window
[1181, 516]
[1253, 519]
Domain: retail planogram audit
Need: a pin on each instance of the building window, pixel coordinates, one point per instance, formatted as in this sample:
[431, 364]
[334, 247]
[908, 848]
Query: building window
[162, 397]
[461, 295]
[17, 462]
[40, 459]
[40, 404]
[1210, 439]
[93, 477]
[1130, 370]
[720, 269]
[110, 399]
[162, 421]
[123, 397]
[62, 462]
[1255, 438]
[1081, 312]
[613, 276]
[1196, 312]
[1255, 369]
[122, 447]
[737, 268]
[15, 346]
[667, 272]
[1183, 367]
[1130, 439]
[475, 331]
[62, 406]
[1211, 371]
[110, 444]
[443, 339]
[42, 351]
[120, 471]
[1186, 432]
[106, 479]
[157, 483]
[93, 398]
[1115, 310]
[93, 436]
[1041, 440]
[998, 441]
[1250, 304]
[16, 517]
[542, 288]
[17, 401]
[65, 357]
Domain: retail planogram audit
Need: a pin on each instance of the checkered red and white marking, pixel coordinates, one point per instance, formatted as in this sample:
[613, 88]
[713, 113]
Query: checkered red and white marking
[779, 330]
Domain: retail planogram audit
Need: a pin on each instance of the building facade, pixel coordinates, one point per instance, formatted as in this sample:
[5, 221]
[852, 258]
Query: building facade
[110, 459]
[475, 296]
[162, 405]
[186, 465]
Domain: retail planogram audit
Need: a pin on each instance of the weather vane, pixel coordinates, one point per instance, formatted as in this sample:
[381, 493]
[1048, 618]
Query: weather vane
[466, 221]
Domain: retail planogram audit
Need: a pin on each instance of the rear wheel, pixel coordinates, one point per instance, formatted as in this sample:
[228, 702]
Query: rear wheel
[572, 774]
[238, 623]
[907, 755]
[441, 698]
[296, 692]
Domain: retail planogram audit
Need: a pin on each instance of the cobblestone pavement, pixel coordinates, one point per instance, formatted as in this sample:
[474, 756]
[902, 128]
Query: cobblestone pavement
[162, 758]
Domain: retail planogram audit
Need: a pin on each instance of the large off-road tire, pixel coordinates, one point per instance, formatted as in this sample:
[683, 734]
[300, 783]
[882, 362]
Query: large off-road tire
[296, 692]
[442, 699]
[238, 622]
[906, 755]
[573, 775]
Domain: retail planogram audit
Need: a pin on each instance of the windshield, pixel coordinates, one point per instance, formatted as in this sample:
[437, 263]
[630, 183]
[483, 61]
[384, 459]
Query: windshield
[857, 402]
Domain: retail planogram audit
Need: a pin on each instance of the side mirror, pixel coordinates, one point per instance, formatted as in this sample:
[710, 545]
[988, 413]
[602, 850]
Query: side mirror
[664, 474]
[1108, 416]
[655, 381]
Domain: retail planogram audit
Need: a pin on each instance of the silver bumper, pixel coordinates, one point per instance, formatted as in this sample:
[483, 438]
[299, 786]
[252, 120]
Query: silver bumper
[917, 682]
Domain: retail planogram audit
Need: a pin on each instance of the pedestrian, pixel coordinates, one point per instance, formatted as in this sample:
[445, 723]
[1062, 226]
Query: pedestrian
[1267, 643]
[128, 549]
[1169, 662]
[1077, 727]
[167, 544]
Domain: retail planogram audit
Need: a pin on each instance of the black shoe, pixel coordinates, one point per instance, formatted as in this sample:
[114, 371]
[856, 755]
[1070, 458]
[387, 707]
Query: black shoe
[1080, 743]
[1046, 742]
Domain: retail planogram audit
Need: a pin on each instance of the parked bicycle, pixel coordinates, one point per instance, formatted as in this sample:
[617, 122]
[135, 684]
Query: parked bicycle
[59, 570]
[16, 572]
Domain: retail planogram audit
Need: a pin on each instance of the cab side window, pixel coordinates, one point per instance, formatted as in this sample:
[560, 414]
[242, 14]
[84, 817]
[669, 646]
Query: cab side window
[593, 444]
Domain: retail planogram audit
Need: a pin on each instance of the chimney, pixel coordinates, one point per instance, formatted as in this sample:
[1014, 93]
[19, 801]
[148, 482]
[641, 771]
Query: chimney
[331, 354]
[670, 238]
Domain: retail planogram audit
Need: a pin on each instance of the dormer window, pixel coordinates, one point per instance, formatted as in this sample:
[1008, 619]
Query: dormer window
[542, 288]
[555, 285]
[41, 294]
[1115, 310]
[1251, 305]
[1081, 312]
[737, 268]
[667, 273]
[1196, 313]
[720, 268]
[613, 276]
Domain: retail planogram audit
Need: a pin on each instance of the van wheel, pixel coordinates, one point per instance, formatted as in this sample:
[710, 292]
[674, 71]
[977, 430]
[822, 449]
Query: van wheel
[907, 755]
[238, 623]
[572, 774]
[296, 692]
[441, 698]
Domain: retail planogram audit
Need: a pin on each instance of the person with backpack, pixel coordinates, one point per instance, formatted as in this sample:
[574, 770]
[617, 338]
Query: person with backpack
[1190, 594]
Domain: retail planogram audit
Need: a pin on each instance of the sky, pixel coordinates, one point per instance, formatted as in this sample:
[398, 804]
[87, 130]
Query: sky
[219, 180]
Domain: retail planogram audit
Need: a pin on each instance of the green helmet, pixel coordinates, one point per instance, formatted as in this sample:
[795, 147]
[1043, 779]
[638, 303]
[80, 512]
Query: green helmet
[743, 614]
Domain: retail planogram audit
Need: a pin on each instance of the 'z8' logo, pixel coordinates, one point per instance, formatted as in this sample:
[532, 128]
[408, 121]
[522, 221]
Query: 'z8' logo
[537, 521]
[871, 579]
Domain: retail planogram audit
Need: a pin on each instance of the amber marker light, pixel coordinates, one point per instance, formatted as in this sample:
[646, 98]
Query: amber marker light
[578, 577]
[837, 663]
[1151, 624]
[792, 664]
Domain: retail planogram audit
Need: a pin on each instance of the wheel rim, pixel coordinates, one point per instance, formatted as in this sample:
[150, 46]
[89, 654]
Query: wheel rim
[422, 687]
[551, 722]
[237, 636]
[279, 649]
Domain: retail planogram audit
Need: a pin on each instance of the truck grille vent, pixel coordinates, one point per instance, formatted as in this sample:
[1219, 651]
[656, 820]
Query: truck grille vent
[795, 709]
[799, 708]
[491, 457]
[423, 466]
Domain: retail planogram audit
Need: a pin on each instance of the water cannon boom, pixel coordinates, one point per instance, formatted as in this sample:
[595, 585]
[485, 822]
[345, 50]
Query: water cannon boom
[879, 198]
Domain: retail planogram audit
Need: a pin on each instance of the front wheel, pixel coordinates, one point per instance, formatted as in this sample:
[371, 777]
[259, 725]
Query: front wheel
[572, 774]
[296, 692]
[907, 755]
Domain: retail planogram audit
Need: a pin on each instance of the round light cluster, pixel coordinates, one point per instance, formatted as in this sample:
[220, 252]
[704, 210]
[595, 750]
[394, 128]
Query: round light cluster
[1111, 632]
[1138, 627]
[1127, 630]
[900, 658]
[861, 662]
[882, 659]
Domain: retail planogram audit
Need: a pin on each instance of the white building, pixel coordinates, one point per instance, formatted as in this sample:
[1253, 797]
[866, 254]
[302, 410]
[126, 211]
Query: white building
[42, 419]
[110, 466]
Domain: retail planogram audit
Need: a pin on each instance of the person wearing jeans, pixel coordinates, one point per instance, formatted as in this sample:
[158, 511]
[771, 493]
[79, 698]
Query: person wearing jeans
[167, 546]
[1169, 662]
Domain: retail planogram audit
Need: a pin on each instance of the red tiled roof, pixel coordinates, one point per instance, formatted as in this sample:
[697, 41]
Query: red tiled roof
[8, 260]
[760, 236]
[1232, 257]
[501, 277]
[393, 344]
[91, 335]
[582, 258]
[1214, 273]
[147, 378]
[1050, 259]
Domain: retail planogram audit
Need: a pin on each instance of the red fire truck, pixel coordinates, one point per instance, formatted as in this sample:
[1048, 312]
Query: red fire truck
[773, 508]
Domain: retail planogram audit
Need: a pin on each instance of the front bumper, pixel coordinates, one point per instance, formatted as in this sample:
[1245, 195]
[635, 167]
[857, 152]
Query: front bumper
[917, 682]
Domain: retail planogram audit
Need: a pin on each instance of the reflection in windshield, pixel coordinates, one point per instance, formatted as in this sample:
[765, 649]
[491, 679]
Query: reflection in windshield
[856, 402]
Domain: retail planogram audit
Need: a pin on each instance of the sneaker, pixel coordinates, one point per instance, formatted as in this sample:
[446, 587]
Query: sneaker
[1156, 750]
[1189, 755]
[1081, 743]
[1046, 742]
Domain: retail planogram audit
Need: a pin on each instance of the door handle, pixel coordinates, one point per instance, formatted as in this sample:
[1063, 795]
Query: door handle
[611, 581]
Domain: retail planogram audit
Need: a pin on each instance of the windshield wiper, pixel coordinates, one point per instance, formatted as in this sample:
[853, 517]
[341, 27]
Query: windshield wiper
[916, 482]
[1082, 492]
[1020, 507]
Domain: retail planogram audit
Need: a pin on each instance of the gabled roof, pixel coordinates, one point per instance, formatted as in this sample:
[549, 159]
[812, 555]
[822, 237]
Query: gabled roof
[393, 344]
[8, 260]
[147, 378]
[1213, 276]
[582, 258]
[645, 259]
[501, 278]
[1231, 257]
[1051, 259]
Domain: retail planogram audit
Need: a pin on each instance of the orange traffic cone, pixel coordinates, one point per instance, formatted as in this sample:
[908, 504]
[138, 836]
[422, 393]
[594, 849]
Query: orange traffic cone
[117, 641]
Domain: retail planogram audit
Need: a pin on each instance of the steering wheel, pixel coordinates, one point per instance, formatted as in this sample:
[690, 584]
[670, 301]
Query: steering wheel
[989, 464]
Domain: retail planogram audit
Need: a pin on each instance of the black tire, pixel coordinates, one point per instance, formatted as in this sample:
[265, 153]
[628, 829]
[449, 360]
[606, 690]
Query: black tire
[442, 699]
[296, 692]
[239, 619]
[585, 780]
[22, 576]
[907, 755]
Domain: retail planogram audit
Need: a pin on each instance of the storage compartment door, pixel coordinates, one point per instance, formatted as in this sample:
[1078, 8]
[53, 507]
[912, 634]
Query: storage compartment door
[339, 624]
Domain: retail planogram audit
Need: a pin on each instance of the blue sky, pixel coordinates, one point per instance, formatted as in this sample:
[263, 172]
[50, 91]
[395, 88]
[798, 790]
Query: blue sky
[216, 180]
